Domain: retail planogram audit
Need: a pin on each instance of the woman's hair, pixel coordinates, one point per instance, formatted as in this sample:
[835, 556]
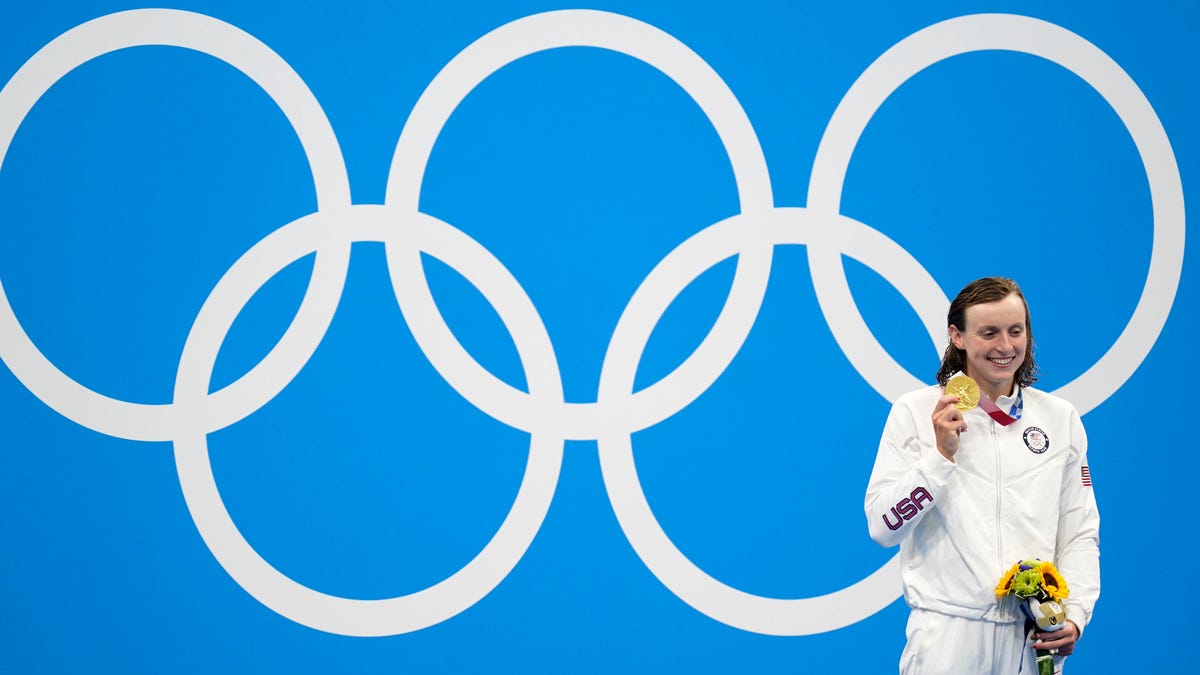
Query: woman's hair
[978, 292]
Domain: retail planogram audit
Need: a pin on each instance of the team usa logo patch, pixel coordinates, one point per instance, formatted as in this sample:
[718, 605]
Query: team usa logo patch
[908, 508]
[1086, 473]
[1036, 440]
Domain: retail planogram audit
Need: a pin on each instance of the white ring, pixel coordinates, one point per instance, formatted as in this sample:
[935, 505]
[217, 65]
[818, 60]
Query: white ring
[711, 597]
[1058, 45]
[268, 585]
[109, 33]
[567, 28]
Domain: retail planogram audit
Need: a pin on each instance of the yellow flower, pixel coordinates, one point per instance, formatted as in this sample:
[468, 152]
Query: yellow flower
[1006, 582]
[1053, 583]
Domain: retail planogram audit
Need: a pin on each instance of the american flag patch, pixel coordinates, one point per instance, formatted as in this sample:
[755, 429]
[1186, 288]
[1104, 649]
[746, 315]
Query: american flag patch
[1087, 475]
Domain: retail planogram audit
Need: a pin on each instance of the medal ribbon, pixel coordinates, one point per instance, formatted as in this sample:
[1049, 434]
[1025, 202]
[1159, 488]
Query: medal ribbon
[1003, 418]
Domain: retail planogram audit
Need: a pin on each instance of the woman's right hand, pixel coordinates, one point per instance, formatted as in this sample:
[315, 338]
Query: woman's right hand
[948, 423]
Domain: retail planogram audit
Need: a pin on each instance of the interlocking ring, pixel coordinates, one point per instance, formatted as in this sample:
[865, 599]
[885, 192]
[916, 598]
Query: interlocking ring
[618, 411]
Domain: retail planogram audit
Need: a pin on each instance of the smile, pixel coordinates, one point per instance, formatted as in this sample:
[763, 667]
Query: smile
[1002, 360]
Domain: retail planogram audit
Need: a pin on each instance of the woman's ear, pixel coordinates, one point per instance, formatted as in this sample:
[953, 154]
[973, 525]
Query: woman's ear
[955, 337]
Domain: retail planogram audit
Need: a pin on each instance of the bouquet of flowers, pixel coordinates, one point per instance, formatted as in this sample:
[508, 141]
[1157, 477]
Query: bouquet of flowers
[1042, 589]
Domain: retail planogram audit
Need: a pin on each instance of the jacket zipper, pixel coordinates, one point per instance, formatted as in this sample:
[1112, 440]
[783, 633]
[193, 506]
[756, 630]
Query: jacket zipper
[999, 491]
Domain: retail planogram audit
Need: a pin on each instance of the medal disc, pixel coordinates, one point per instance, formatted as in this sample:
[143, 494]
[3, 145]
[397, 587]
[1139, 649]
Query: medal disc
[965, 389]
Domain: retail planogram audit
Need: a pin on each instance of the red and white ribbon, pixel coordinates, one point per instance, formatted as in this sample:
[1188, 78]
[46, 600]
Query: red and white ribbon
[1004, 418]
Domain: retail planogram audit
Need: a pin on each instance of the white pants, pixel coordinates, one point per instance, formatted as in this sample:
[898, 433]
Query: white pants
[940, 644]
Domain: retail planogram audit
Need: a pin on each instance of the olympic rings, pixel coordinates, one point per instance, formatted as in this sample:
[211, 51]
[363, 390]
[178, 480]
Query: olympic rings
[618, 411]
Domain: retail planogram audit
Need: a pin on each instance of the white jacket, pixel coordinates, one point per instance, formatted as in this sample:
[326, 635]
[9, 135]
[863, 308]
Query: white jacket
[1012, 493]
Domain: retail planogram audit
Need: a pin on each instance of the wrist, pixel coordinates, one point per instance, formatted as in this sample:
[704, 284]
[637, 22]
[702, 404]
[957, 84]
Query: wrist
[1077, 618]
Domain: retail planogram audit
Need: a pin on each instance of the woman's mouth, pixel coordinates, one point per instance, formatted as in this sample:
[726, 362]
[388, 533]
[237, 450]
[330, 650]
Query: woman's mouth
[1002, 361]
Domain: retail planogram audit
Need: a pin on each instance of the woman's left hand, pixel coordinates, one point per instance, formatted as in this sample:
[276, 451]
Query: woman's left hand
[1062, 640]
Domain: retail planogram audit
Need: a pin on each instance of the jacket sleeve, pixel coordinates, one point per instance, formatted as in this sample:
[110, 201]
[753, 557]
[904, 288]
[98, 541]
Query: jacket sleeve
[1078, 541]
[908, 478]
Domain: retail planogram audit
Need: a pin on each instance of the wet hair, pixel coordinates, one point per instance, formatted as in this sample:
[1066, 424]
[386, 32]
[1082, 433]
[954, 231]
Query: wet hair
[978, 292]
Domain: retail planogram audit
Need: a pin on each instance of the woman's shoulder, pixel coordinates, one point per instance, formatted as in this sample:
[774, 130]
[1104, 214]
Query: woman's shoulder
[1047, 401]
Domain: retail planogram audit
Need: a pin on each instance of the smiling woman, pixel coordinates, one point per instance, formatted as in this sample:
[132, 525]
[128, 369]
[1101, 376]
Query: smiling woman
[993, 481]
[990, 331]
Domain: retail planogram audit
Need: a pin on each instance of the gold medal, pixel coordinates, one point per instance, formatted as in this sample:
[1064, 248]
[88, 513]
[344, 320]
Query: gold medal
[965, 389]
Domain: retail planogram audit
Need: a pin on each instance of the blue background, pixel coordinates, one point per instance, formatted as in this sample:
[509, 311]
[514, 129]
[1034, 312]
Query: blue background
[141, 176]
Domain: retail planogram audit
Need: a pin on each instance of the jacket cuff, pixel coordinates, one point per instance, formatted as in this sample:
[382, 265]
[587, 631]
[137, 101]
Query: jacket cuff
[1077, 616]
[936, 469]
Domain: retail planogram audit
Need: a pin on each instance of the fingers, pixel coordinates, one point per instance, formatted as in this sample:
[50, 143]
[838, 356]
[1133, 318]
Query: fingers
[957, 423]
[1062, 640]
[1069, 629]
[948, 423]
[1065, 650]
[947, 416]
[944, 401]
[1052, 640]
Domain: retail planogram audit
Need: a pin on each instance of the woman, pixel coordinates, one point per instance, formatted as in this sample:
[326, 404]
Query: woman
[968, 493]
